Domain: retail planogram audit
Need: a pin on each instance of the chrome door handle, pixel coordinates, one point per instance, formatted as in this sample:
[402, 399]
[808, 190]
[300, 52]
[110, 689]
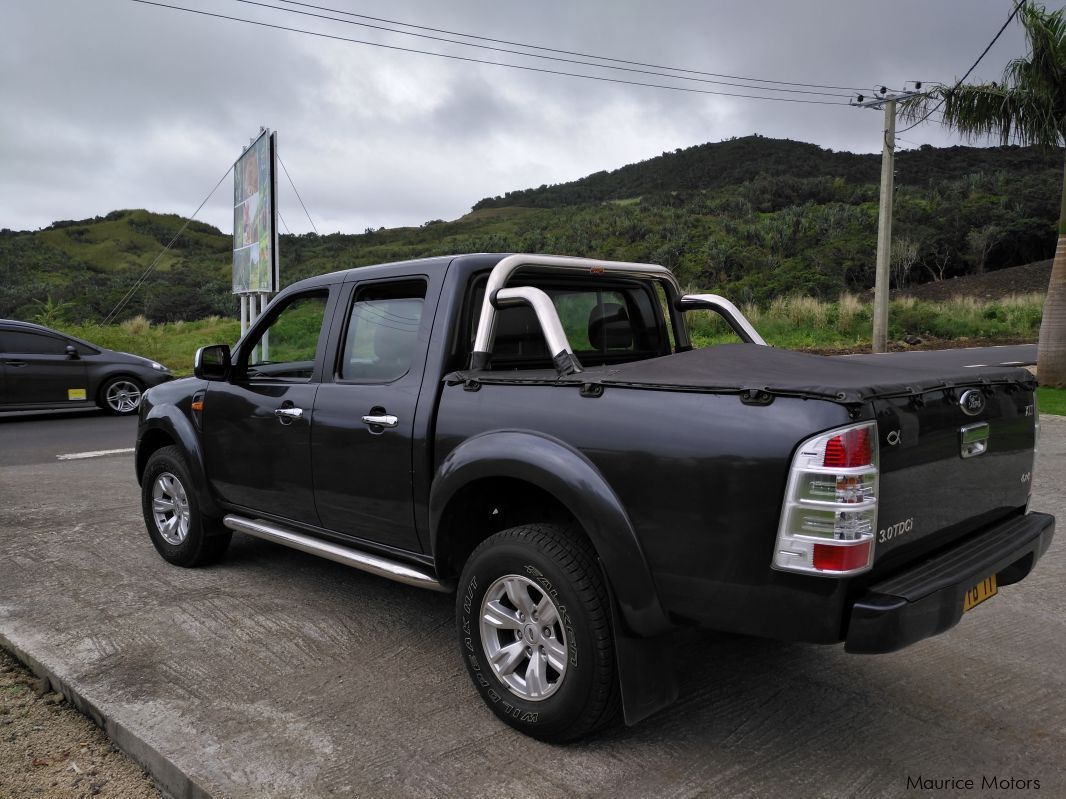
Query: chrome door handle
[287, 415]
[381, 421]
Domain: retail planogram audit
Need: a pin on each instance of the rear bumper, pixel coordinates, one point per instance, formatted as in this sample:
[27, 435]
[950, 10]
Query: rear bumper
[927, 599]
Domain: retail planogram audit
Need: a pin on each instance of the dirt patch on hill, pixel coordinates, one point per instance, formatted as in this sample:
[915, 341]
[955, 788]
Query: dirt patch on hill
[1029, 279]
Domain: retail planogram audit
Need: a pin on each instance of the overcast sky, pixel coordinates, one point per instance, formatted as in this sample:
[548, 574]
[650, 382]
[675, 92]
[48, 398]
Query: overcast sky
[108, 104]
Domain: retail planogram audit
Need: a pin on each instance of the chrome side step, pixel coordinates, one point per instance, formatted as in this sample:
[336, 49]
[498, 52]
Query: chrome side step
[364, 561]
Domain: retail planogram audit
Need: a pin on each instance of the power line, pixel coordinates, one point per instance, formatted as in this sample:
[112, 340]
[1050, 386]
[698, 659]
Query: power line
[133, 289]
[600, 78]
[566, 52]
[973, 66]
[298, 197]
[528, 55]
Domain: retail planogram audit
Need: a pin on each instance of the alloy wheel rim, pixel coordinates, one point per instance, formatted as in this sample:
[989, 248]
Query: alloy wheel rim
[523, 637]
[170, 508]
[123, 396]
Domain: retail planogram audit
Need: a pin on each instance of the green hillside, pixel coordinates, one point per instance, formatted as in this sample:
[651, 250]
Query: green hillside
[754, 218]
[741, 160]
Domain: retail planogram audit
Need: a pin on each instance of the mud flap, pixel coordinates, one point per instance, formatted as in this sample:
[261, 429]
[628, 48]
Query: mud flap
[646, 677]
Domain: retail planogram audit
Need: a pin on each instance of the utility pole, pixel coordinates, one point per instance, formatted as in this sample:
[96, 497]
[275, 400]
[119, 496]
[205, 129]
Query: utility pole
[884, 216]
[884, 230]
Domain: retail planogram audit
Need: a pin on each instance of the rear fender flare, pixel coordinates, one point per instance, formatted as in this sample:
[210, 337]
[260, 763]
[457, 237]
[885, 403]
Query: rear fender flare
[571, 478]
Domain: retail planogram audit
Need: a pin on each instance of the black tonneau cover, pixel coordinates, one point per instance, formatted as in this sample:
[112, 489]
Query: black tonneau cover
[753, 369]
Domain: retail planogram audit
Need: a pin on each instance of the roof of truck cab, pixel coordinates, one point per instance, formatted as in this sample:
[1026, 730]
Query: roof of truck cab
[471, 262]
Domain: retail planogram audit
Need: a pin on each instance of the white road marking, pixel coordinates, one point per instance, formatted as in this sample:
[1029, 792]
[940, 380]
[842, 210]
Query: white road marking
[77, 456]
[974, 365]
[1012, 363]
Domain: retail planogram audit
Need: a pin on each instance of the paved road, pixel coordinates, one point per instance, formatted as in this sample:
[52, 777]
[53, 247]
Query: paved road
[275, 674]
[40, 437]
[964, 358]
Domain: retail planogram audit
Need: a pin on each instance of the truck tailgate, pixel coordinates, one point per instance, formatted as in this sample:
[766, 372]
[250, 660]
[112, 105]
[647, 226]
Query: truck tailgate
[945, 472]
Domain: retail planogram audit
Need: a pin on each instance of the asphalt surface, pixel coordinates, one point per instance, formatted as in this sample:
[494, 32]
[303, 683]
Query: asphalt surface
[276, 674]
[962, 358]
[40, 437]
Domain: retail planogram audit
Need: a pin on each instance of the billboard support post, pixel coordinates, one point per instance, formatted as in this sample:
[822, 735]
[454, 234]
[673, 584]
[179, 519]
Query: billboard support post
[264, 298]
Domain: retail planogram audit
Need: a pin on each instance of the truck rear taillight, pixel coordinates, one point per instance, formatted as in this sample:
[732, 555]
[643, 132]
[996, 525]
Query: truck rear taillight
[829, 517]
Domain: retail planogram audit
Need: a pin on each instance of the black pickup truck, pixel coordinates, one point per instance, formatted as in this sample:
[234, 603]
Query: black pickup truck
[537, 434]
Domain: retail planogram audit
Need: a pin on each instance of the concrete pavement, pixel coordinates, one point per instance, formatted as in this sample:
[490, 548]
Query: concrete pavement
[275, 674]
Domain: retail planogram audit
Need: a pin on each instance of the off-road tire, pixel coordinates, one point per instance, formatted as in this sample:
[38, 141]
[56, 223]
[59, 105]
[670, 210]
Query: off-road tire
[202, 540]
[560, 563]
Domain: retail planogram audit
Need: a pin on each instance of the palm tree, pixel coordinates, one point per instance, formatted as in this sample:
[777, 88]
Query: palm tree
[1028, 107]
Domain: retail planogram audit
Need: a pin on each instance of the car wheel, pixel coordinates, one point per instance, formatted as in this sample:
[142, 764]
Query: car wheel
[180, 533]
[121, 396]
[533, 617]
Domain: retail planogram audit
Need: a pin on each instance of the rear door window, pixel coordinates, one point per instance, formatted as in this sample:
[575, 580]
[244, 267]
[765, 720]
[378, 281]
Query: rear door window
[26, 343]
[379, 342]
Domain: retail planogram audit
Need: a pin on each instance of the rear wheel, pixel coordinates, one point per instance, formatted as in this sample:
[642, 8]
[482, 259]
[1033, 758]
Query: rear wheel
[535, 633]
[179, 532]
[121, 396]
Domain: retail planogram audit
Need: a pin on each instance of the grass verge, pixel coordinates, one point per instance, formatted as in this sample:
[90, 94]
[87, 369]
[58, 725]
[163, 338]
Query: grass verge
[1051, 400]
[798, 322]
[172, 344]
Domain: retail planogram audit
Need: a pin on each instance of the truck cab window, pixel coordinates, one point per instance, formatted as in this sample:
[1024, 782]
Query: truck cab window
[379, 343]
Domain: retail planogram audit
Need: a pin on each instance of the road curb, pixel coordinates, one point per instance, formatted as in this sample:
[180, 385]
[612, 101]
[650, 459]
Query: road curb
[171, 780]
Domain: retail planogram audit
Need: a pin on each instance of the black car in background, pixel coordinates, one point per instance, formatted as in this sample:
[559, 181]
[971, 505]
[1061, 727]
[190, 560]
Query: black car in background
[42, 368]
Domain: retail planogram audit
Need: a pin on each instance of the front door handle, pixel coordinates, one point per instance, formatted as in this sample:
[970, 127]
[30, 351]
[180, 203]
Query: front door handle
[381, 421]
[16, 364]
[288, 415]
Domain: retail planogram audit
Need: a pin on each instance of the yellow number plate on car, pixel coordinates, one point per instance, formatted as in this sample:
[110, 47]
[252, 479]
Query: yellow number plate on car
[979, 593]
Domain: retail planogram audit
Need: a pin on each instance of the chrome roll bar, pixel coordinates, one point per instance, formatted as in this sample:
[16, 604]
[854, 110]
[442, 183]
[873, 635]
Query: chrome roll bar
[562, 353]
[499, 295]
[727, 310]
[559, 346]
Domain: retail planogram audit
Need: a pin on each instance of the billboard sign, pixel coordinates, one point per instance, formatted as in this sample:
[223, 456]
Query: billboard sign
[255, 233]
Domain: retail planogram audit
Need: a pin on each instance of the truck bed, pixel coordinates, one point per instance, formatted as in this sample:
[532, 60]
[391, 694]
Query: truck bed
[753, 369]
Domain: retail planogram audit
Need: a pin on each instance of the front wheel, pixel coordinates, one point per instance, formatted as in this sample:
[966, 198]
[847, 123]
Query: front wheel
[534, 627]
[179, 532]
[121, 396]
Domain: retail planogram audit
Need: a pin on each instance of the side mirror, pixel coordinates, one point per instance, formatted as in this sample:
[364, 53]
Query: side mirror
[212, 363]
[72, 353]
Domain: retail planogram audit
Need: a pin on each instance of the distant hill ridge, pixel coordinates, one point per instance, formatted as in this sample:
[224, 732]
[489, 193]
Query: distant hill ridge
[739, 160]
[752, 218]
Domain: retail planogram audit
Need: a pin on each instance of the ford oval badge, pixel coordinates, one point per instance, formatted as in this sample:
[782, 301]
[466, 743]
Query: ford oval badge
[972, 402]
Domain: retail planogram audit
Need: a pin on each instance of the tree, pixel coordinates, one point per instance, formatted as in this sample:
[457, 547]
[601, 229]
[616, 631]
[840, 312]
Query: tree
[1028, 107]
[981, 241]
[936, 262]
[904, 257]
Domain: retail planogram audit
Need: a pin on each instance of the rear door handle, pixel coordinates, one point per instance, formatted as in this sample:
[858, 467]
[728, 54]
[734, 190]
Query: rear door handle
[15, 363]
[288, 415]
[381, 421]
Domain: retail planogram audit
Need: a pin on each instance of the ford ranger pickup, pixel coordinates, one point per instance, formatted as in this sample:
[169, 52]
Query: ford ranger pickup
[538, 435]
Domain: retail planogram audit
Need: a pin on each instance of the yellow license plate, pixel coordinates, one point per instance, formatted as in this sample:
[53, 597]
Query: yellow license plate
[986, 589]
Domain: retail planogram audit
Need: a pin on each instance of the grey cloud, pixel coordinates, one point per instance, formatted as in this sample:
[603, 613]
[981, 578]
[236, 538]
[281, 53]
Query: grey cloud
[115, 104]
